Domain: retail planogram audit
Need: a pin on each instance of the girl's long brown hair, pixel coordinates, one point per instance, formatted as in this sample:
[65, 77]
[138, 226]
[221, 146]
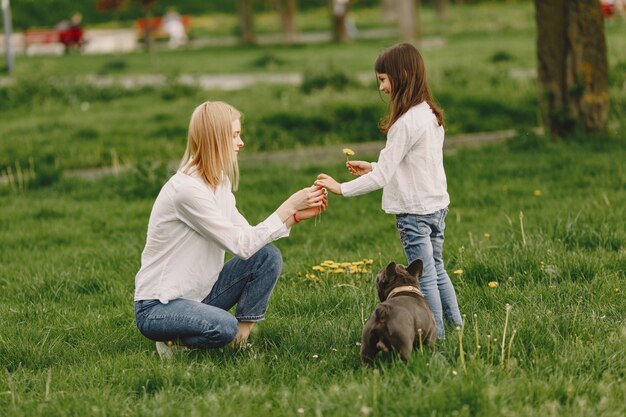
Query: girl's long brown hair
[210, 149]
[405, 68]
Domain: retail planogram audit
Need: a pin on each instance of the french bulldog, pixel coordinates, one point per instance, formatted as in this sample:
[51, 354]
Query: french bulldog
[402, 320]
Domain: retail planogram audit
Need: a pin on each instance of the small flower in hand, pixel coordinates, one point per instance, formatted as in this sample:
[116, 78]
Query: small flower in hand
[348, 153]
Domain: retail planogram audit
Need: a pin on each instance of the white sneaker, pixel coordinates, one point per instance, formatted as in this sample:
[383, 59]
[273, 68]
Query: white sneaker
[166, 350]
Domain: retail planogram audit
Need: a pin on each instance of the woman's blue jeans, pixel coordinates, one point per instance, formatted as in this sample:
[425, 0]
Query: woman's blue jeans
[245, 283]
[422, 238]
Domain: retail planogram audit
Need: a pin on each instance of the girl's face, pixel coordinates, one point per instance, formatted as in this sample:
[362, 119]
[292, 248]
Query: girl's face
[384, 84]
[237, 142]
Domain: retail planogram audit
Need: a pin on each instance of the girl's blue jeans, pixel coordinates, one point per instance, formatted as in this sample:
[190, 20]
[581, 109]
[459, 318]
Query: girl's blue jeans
[245, 283]
[422, 238]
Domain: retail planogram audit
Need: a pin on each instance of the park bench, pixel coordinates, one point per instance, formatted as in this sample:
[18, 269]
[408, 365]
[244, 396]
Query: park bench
[156, 25]
[62, 39]
[40, 36]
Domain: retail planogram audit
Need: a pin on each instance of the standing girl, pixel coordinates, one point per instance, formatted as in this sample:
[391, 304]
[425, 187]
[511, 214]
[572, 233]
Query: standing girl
[410, 172]
[183, 290]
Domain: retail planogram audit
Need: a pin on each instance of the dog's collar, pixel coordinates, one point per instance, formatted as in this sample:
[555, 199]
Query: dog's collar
[405, 288]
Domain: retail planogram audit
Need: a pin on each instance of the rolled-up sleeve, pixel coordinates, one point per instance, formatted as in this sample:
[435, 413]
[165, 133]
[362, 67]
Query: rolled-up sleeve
[198, 209]
[399, 141]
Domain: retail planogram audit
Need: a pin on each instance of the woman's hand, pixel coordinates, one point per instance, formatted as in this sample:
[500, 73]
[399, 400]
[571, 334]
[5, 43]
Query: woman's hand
[358, 168]
[311, 212]
[329, 183]
[306, 198]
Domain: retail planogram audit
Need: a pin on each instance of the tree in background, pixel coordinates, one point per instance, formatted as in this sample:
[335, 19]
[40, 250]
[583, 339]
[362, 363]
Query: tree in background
[572, 66]
[339, 13]
[246, 22]
[288, 10]
[406, 14]
[442, 9]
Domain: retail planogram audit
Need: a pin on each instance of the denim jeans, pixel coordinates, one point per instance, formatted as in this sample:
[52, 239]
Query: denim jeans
[246, 283]
[422, 238]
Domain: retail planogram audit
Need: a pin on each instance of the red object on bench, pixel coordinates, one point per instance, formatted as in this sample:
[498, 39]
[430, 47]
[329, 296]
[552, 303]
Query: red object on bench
[608, 9]
[156, 25]
[70, 37]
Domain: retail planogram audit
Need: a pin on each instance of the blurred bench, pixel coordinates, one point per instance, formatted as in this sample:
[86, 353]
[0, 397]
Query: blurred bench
[66, 38]
[40, 36]
[155, 24]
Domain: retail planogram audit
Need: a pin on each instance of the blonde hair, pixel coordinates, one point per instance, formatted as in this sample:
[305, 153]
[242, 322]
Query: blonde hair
[210, 148]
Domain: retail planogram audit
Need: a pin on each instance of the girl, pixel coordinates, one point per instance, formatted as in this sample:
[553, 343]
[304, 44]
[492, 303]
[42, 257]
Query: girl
[183, 290]
[410, 171]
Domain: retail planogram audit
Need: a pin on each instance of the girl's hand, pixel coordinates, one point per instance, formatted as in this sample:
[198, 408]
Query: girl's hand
[358, 168]
[311, 212]
[306, 198]
[329, 183]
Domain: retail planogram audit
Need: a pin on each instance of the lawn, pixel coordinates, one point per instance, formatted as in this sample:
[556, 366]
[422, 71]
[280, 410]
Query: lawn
[69, 346]
[534, 225]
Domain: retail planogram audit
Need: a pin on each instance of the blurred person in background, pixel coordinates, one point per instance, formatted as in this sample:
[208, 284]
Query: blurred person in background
[173, 25]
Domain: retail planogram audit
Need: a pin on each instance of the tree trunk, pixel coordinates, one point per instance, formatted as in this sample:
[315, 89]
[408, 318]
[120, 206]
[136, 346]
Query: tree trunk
[442, 9]
[288, 10]
[389, 11]
[8, 32]
[572, 66]
[246, 25]
[339, 12]
[408, 13]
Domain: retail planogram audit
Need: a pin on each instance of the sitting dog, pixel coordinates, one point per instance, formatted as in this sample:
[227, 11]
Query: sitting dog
[403, 316]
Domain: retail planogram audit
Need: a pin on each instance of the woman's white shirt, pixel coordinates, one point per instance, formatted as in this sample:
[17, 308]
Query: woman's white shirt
[191, 228]
[409, 168]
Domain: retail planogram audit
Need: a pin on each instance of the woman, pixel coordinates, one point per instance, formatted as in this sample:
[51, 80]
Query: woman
[183, 290]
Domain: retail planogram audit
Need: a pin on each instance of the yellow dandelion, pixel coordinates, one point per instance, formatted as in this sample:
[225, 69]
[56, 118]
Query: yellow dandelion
[458, 272]
[327, 262]
[357, 263]
[368, 261]
[537, 193]
[493, 284]
[314, 278]
[345, 264]
[319, 268]
[348, 152]
[338, 271]
[487, 235]
[616, 290]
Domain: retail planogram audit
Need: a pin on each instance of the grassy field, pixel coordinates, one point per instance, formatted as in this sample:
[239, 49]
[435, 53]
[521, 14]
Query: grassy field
[68, 345]
[535, 225]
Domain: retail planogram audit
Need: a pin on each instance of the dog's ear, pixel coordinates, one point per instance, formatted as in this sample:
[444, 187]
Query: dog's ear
[415, 269]
[391, 269]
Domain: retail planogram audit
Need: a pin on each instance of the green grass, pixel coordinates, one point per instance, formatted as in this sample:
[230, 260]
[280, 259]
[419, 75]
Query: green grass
[69, 345]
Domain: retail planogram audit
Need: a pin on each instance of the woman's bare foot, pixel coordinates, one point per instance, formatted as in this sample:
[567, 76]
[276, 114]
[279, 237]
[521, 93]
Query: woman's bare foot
[243, 332]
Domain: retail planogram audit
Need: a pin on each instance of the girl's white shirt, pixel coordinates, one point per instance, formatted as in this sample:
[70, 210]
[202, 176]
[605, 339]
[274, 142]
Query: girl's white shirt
[409, 168]
[190, 229]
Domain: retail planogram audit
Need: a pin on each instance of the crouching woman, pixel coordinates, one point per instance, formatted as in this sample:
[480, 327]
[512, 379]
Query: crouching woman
[184, 290]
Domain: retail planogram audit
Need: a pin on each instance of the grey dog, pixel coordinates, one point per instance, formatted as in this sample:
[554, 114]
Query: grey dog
[403, 320]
